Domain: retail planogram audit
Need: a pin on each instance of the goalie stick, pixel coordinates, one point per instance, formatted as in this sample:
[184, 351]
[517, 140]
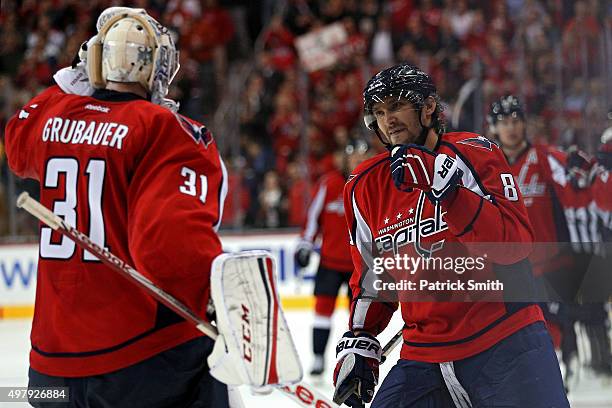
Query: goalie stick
[45, 215]
[339, 398]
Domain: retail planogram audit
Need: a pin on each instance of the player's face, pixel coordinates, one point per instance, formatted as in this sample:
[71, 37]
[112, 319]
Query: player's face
[398, 120]
[511, 131]
[354, 159]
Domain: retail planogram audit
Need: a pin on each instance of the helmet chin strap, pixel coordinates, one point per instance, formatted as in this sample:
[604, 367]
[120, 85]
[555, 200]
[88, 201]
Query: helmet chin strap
[424, 131]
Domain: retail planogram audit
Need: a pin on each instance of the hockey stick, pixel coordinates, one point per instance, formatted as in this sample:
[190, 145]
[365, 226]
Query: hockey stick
[339, 398]
[45, 215]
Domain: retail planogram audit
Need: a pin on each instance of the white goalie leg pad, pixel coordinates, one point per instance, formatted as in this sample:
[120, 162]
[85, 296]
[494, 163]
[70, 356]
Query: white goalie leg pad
[254, 346]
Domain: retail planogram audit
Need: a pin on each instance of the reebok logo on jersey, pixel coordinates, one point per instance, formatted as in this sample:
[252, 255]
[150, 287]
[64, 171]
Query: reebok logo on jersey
[98, 108]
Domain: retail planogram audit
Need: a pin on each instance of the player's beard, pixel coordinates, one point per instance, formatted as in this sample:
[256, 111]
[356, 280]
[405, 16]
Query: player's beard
[408, 136]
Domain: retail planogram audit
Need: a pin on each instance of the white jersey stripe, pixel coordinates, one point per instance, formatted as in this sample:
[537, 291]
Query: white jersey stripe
[222, 194]
[363, 242]
[314, 211]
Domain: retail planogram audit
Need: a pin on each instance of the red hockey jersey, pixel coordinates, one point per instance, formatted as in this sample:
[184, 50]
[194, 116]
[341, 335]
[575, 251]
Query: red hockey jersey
[602, 203]
[558, 212]
[143, 182]
[486, 209]
[326, 218]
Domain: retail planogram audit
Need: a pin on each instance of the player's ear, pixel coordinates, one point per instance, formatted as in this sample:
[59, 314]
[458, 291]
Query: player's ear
[429, 107]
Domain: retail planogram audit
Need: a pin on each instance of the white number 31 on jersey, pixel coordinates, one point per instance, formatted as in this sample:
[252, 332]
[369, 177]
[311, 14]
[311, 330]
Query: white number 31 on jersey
[190, 186]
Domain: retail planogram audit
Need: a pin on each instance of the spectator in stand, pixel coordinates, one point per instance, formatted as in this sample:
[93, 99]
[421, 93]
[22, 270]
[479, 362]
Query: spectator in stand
[414, 33]
[500, 22]
[461, 18]
[381, 52]
[300, 16]
[298, 193]
[273, 205]
[206, 41]
[581, 33]
[278, 43]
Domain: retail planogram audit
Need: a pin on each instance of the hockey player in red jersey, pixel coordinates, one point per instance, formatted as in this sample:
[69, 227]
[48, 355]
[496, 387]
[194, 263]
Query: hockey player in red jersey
[556, 199]
[553, 184]
[432, 194]
[325, 219]
[149, 185]
[602, 189]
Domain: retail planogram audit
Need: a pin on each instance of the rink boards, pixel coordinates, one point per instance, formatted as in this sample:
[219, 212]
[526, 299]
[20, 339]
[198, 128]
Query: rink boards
[18, 272]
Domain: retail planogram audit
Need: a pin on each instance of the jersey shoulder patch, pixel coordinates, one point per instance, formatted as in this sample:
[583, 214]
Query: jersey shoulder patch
[198, 132]
[480, 142]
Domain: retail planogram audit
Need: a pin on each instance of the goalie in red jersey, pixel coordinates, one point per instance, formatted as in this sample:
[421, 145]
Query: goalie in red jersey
[432, 195]
[147, 184]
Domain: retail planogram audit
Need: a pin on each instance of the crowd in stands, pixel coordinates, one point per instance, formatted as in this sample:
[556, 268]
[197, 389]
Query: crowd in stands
[550, 52]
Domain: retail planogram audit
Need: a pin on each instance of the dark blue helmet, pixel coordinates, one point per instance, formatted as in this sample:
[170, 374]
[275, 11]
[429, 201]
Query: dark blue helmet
[403, 80]
[508, 105]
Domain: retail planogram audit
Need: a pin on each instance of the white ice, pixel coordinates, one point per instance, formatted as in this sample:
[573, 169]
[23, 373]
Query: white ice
[590, 392]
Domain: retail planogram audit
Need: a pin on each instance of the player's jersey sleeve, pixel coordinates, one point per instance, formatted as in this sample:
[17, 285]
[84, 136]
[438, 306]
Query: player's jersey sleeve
[366, 312]
[175, 203]
[20, 131]
[313, 217]
[488, 208]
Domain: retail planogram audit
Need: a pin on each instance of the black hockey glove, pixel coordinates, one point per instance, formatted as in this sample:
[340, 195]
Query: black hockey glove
[578, 168]
[604, 156]
[356, 373]
[302, 257]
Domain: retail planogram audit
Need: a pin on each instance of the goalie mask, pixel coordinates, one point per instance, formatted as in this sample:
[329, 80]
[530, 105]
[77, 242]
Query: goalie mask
[132, 47]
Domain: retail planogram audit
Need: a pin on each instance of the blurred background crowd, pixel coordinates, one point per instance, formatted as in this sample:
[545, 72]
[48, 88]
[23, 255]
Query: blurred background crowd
[279, 82]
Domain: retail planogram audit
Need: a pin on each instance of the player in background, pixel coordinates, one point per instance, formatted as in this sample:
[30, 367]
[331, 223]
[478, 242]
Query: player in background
[554, 186]
[149, 185]
[325, 219]
[444, 191]
[602, 186]
[601, 191]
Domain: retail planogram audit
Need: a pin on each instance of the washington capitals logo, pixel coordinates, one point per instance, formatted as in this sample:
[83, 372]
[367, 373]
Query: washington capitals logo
[481, 142]
[199, 133]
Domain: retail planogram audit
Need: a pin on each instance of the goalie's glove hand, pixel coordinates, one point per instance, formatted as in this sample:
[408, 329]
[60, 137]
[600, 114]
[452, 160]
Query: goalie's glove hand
[413, 166]
[302, 257]
[356, 372]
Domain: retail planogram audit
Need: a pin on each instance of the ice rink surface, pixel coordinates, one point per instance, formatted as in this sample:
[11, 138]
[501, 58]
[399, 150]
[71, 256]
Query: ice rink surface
[589, 392]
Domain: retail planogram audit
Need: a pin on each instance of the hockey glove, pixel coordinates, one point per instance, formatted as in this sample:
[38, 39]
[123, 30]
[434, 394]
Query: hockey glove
[604, 156]
[578, 168]
[302, 257]
[413, 166]
[356, 373]
[302, 253]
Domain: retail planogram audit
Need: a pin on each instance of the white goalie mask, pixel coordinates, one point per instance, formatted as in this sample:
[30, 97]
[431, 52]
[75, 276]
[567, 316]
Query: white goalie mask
[132, 47]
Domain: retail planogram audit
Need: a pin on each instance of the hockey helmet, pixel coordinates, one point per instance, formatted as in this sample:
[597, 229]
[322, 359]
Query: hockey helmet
[403, 81]
[357, 146]
[508, 105]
